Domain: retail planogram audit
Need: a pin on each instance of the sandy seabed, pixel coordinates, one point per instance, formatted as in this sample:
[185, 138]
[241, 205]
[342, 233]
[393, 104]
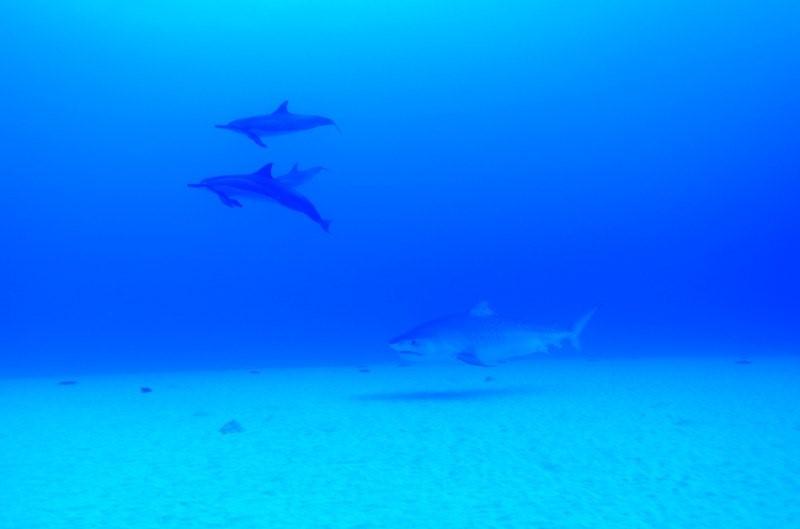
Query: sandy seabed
[668, 443]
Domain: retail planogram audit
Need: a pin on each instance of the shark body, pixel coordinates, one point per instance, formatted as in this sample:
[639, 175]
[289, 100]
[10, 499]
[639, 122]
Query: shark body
[481, 338]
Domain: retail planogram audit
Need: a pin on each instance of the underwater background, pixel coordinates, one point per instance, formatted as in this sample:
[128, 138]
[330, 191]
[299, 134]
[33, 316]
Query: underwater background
[641, 157]
[546, 157]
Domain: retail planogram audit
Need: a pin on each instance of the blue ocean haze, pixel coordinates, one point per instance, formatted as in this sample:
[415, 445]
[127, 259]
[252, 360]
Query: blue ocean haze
[640, 157]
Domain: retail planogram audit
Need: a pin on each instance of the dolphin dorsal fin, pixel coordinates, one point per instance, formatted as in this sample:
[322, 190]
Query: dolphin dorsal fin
[481, 310]
[296, 168]
[283, 108]
[265, 171]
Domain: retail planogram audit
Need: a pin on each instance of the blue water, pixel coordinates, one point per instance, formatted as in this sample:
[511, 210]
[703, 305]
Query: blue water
[639, 157]
[549, 157]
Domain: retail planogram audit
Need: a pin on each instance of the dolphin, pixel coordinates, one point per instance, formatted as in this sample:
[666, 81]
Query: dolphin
[261, 184]
[280, 121]
[481, 338]
[297, 177]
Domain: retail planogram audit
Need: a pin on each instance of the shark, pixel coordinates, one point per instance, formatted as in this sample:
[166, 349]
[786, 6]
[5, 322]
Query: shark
[280, 121]
[480, 337]
[263, 185]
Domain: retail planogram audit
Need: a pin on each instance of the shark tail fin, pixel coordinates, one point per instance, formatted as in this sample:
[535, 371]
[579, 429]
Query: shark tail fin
[326, 225]
[577, 329]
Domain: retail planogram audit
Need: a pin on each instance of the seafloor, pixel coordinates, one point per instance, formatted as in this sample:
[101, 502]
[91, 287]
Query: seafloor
[671, 443]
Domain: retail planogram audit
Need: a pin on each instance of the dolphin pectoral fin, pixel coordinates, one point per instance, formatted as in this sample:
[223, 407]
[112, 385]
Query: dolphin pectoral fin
[255, 139]
[228, 201]
[469, 357]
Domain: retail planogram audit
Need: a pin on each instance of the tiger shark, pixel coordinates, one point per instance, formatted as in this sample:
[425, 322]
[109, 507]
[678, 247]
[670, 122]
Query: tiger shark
[280, 121]
[481, 338]
[262, 185]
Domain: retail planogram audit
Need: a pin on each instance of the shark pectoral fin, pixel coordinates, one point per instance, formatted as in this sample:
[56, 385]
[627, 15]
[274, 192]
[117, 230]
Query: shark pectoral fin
[255, 139]
[228, 201]
[469, 357]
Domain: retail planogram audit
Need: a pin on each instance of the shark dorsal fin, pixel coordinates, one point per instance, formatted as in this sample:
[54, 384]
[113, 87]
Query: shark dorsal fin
[481, 310]
[265, 171]
[283, 108]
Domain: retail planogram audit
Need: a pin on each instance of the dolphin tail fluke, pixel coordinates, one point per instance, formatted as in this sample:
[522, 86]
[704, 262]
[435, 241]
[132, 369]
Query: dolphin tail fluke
[577, 329]
[326, 225]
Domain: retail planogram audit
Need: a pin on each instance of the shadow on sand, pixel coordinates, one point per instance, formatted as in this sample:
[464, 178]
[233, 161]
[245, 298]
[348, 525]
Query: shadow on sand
[451, 394]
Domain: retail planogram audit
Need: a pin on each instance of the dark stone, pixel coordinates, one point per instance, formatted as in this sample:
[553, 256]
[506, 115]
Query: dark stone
[145, 390]
[231, 427]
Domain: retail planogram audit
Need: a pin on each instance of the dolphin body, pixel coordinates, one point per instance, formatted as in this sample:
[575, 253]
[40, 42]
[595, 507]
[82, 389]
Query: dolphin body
[281, 121]
[297, 177]
[481, 338]
[262, 185]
